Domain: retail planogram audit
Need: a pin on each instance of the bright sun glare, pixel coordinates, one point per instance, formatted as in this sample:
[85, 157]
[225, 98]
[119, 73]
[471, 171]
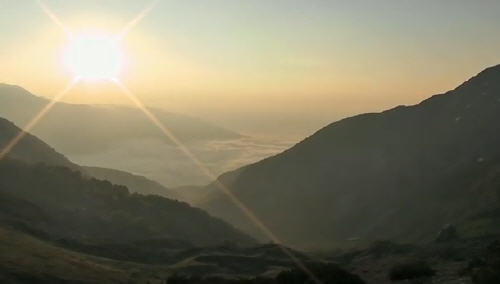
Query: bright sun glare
[94, 56]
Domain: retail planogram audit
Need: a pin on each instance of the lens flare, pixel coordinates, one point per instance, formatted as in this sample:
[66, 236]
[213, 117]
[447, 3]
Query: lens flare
[221, 186]
[94, 56]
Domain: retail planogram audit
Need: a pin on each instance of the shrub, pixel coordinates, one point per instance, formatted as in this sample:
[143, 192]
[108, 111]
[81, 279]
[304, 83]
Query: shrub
[411, 270]
[488, 271]
[326, 273]
[383, 248]
[486, 276]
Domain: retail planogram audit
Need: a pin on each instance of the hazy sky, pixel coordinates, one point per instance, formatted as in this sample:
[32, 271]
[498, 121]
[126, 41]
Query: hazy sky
[275, 65]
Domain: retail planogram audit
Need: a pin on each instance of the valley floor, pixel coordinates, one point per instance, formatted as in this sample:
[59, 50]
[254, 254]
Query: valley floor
[25, 258]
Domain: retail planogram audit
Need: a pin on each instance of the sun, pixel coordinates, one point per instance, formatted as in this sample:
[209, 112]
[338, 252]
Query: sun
[94, 56]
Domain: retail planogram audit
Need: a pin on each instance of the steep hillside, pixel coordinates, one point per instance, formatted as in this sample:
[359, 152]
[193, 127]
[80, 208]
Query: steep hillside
[400, 174]
[75, 207]
[30, 149]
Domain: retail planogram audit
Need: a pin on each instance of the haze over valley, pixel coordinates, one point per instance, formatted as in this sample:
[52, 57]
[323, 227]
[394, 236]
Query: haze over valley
[121, 137]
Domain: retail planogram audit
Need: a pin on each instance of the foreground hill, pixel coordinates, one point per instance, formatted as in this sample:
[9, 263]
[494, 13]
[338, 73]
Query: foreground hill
[400, 174]
[27, 259]
[24, 260]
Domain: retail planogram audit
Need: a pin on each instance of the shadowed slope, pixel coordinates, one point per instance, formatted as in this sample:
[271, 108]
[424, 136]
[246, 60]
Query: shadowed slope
[30, 148]
[77, 206]
[399, 174]
[33, 150]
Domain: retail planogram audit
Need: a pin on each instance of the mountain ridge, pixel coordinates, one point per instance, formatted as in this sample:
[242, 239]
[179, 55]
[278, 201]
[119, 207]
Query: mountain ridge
[363, 160]
[102, 125]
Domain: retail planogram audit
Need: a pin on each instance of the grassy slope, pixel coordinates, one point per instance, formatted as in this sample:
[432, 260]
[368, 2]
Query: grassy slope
[24, 258]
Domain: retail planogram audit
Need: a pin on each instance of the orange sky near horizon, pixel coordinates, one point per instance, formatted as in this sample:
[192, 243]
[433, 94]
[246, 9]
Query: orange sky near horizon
[287, 61]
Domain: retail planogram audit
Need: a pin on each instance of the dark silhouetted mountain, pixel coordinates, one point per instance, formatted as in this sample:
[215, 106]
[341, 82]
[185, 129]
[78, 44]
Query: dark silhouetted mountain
[400, 174]
[81, 129]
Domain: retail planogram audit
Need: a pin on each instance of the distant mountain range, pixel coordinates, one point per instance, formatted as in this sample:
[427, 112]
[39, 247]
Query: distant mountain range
[83, 129]
[123, 138]
[59, 199]
[400, 174]
[135, 183]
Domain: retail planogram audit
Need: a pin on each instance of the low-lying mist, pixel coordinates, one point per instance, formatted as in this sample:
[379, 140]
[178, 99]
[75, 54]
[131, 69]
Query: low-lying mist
[165, 163]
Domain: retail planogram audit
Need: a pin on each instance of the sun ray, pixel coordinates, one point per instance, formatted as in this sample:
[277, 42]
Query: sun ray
[32, 123]
[53, 17]
[137, 19]
[205, 170]
[250, 215]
